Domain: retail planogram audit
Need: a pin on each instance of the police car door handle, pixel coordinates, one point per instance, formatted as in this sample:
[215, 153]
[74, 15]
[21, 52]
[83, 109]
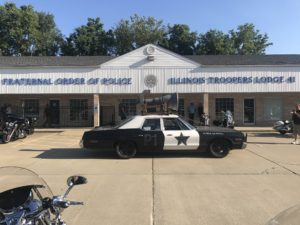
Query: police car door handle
[169, 134]
[140, 135]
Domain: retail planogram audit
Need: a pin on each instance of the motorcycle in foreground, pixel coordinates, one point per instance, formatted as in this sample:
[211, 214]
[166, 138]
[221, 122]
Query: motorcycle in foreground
[290, 216]
[283, 126]
[26, 199]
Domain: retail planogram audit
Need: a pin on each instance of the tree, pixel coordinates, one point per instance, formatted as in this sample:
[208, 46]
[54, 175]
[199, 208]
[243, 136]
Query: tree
[138, 31]
[89, 39]
[24, 31]
[247, 40]
[17, 29]
[123, 38]
[215, 42]
[181, 40]
[48, 37]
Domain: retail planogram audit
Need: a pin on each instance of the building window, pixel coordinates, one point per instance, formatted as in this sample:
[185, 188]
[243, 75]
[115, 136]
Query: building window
[129, 106]
[31, 107]
[224, 104]
[78, 109]
[181, 107]
[272, 108]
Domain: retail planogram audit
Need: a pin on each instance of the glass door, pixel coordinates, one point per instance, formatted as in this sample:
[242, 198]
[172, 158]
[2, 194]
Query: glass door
[54, 112]
[249, 111]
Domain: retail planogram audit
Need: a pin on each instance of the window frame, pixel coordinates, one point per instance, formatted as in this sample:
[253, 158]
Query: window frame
[227, 105]
[36, 112]
[160, 125]
[178, 120]
[81, 110]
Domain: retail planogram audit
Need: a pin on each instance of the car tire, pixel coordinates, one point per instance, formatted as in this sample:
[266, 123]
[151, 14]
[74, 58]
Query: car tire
[126, 150]
[219, 148]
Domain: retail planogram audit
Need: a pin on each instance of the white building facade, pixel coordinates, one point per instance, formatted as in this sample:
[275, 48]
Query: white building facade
[88, 91]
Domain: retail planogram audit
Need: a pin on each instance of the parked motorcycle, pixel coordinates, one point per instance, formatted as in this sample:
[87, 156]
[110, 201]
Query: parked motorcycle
[283, 126]
[222, 123]
[30, 124]
[23, 125]
[9, 131]
[26, 199]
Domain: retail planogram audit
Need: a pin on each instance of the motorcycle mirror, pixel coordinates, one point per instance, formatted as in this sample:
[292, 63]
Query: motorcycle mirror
[76, 180]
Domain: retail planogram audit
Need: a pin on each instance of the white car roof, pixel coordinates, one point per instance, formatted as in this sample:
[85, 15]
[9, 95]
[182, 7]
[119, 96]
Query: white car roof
[137, 121]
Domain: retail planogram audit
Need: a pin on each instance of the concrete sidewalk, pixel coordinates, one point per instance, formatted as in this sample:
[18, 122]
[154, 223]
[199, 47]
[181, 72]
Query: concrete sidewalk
[255, 129]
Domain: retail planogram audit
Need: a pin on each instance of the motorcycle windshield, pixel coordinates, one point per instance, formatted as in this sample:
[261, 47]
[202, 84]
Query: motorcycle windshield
[17, 177]
[289, 216]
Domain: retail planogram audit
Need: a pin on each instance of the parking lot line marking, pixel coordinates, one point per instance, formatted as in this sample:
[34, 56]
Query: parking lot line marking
[278, 164]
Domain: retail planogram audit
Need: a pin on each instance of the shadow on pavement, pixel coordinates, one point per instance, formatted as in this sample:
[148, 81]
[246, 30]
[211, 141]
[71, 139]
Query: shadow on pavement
[267, 143]
[276, 135]
[77, 153]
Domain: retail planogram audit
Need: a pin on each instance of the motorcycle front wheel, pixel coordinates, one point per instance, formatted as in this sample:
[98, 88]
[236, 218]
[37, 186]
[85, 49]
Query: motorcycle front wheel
[6, 138]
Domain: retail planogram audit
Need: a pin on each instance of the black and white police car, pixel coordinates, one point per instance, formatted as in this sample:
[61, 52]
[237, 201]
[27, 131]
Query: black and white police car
[156, 133]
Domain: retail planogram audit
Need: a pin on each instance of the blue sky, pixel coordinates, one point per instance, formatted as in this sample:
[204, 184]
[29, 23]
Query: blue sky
[280, 19]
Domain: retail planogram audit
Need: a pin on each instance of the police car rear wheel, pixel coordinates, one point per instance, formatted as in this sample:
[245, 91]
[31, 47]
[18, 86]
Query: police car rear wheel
[125, 150]
[219, 148]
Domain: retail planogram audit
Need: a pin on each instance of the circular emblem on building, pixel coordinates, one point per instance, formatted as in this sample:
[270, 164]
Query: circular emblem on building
[150, 50]
[150, 81]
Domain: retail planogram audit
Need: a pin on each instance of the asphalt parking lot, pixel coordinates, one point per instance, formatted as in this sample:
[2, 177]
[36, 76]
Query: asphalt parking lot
[245, 188]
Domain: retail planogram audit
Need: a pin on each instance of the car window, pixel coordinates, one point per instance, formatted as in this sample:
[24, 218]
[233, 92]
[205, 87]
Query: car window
[174, 124]
[151, 124]
[123, 122]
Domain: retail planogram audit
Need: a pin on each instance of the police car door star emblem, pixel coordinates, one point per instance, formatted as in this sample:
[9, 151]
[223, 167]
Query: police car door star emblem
[182, 139]
[150, 81]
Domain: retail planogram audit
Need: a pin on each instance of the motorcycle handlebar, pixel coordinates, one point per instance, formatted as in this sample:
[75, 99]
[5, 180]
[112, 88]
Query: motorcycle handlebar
[75, 203]
[64, 203]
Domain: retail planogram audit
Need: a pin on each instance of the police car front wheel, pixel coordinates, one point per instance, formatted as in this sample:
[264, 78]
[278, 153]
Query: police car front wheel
[125, 150]
[219, 148]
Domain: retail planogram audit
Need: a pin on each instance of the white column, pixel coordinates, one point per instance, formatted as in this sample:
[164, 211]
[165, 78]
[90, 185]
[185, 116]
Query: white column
[96, 109]
[206, 108]
[206, 103]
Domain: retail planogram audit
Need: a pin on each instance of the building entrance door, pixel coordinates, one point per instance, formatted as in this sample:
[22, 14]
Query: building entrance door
[107, 115]
[249, 111]
[55, 112]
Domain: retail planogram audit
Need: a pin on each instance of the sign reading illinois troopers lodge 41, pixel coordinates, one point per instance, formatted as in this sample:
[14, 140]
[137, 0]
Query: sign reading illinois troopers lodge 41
[232, 80]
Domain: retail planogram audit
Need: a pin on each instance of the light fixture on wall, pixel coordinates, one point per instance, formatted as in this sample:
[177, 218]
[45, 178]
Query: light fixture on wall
[150, 51]
[150, 57]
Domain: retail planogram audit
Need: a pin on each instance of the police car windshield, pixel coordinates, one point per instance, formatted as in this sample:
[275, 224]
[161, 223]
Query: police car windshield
[123, 122]
[191, 127]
